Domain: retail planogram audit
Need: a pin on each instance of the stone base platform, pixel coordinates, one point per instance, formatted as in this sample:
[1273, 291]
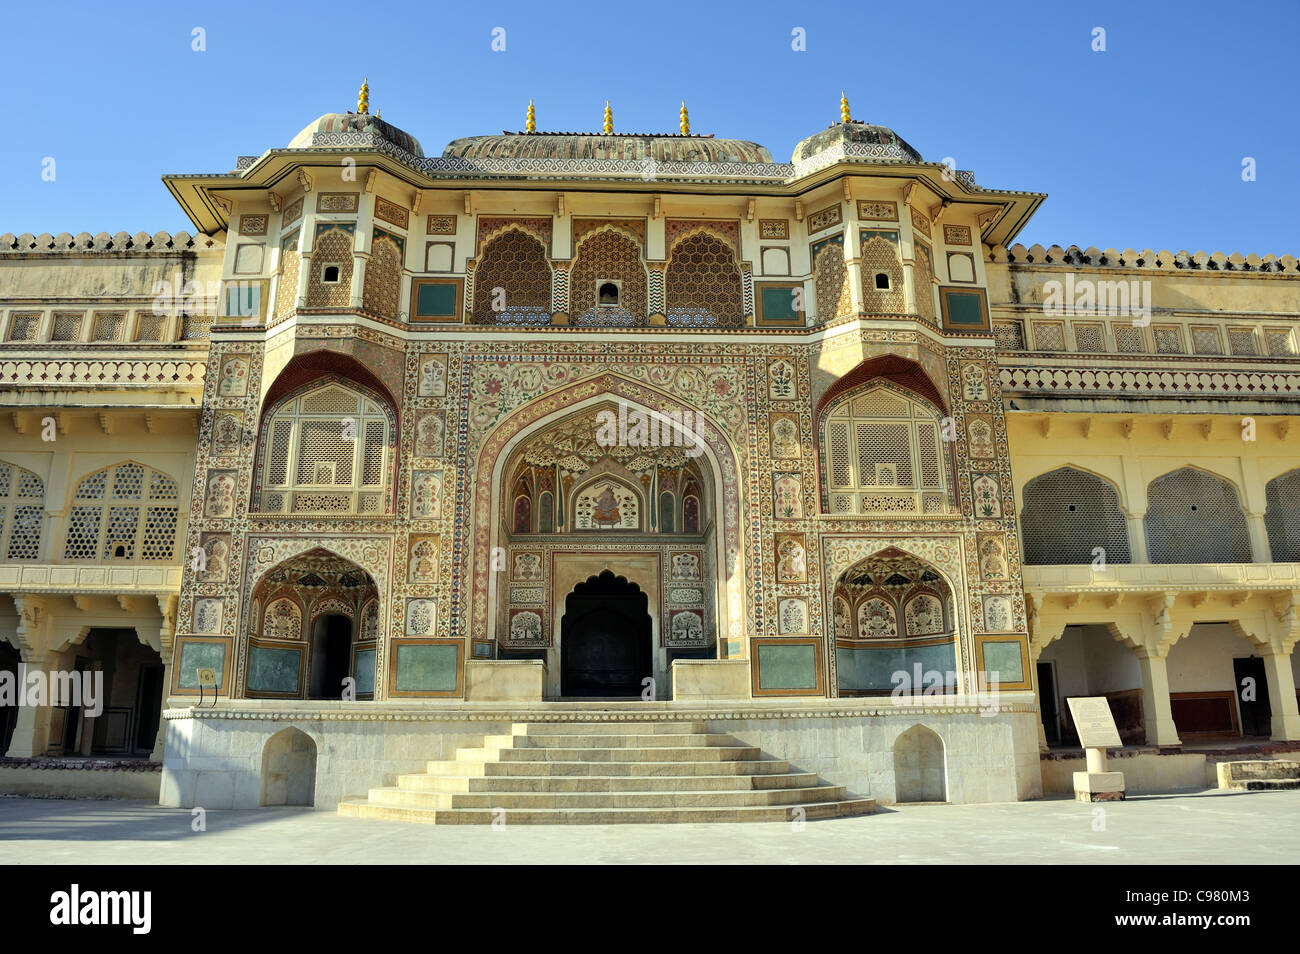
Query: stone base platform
[246, 753]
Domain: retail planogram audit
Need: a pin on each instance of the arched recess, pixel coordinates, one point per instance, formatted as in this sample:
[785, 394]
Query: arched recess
[881, 448]
[608, 254]
[1282, 517]
[327, 446]
[1194, 516]
[282, 650]
[605, 641]
[717, 459]
[512, 280]
[1067, 514]
[703, 285]
[920, 770]
[289, 769]
[895, 612]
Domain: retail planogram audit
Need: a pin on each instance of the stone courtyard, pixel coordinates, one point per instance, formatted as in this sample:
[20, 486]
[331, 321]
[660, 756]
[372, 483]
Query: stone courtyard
[1182, 828]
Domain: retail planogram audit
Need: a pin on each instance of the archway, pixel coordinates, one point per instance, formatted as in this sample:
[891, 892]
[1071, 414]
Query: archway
[311, 626]
[895, 627]
[919, 771]
[605, 638]
[289, 769]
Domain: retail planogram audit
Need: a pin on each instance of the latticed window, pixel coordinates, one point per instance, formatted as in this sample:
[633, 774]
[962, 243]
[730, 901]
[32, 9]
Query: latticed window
[882, 276]
[1129, 339]
[22, 511]
[326, 451]
[703, 284]
[125, 512]
[834, 294]
[23, 326]
[1282, 518]
[1280, 342]
[883, 453]
[1195, 517]
[605, 257]
[512, 283]
[1009, 335]
[1068, 514]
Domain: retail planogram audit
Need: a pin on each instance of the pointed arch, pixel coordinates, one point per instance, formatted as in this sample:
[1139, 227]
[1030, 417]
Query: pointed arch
[512, 279]
[611, 253]
[703, 285]
[1282, 517]
[125, 512]
[22, 512]
[1195, 516]
[1069, 512]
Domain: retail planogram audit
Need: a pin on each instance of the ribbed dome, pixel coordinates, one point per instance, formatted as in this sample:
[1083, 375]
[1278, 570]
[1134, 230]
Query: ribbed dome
[357, 123]
[891, 145]
[661, 148]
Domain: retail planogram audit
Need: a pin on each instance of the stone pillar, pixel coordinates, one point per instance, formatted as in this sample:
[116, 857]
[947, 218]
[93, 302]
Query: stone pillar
[32, 730]
[358, 291]
[1137, 537]
[1259, 548]
[852, 265]
[1281, 697]
[1157, 714]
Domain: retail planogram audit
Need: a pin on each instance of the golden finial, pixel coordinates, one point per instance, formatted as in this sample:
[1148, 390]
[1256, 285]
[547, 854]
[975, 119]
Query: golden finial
[609, 119]
[363, 96]
[530, 124]
[844, 108]
[686, 121]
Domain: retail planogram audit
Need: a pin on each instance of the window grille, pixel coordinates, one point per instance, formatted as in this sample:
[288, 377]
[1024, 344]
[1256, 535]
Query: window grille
[602, 255]
[1169, 340]
[24, 326]
[1195, 517]
[1280, 343]
[139, 523]
[703, 284]
[1282, 518]
[1129, 339]
[326, 451]
[194, 327]
[1068, 514]
[1242, 341]
[1089, 338]
[1009, 335]
[516, 263]
[66, 328]
[1206, 341]
[1049, 336]
[882, 449]
[150, 327]
[22, 512]
[108, 327]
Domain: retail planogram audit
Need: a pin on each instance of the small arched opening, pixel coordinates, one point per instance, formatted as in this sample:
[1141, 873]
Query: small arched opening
[919, 771]
[289, 769]
[605, 638]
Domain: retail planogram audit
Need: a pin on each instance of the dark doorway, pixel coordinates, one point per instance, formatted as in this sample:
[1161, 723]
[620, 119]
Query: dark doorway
[148, 708]
[1047, 704]
[1252, 696]
[331, 656]
[605, 638]
[9, 660]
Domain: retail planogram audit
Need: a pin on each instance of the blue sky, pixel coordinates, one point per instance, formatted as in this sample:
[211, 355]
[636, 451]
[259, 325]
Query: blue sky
[1138, 146]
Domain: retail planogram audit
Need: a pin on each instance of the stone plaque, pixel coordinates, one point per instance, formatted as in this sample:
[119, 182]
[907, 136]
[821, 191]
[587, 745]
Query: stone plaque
[1095, 724]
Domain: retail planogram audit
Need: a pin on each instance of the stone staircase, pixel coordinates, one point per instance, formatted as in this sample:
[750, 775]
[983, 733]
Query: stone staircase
[1262, 775]
[574, 773]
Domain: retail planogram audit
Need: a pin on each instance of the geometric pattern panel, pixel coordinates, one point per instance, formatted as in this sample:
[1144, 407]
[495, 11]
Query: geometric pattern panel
[1195, 517]
[1068, 513]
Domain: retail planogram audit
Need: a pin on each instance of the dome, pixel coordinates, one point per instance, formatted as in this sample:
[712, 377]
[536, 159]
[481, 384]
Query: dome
[364, 123]
[661, 148]
[889, 145]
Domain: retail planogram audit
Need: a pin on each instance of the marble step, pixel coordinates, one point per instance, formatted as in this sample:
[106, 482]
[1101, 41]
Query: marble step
[678, 753]
[609, 728]
[687, 798]
[608, 741]
[604, 783]
[1229, 773]
[482, 767]
[611, 816]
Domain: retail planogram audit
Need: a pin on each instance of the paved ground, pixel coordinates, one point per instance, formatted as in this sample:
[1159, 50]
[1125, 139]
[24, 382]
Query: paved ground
[1203, 828]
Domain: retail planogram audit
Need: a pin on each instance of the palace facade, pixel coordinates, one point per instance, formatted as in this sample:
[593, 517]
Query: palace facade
[398, 447]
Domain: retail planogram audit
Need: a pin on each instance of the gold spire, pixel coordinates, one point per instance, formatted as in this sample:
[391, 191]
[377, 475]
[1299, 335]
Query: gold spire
[844, 108]
[363, 96]
[609, 119]
[685, 124]
[530, 123]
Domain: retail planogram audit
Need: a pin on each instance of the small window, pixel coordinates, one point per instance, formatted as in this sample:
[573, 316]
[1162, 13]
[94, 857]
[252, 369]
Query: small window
[119, 551]
[329, 274]
[607, 293]
[882, 281]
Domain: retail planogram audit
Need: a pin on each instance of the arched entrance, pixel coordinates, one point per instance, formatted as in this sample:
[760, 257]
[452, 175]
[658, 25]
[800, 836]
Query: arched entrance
[605, 641]
[313, 624]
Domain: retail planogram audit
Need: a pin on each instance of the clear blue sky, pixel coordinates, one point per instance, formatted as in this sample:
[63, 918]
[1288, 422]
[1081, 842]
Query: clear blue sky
[1140, 146]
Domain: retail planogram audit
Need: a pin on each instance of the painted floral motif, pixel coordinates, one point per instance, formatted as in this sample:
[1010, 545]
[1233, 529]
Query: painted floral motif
[233, 380]
[988, 501]
[787, 496]
[369, 622]
[780, 380]
[980, 437]
[433, 376]
[423, 566]
[528, 566]
[207, 616]
[526, 626]
[791, 559]
[430, 435]
[785, 436]
[227, 432]
[993, 561]
[876, 620]
[216, 551]
[923, 616]
[685, 566]
[421, 617]
[686, 626]
[283, 620]
[841, 618]
[974, 382]
[220, 498]
[426, 495]
[997, 614]
[793, 616]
